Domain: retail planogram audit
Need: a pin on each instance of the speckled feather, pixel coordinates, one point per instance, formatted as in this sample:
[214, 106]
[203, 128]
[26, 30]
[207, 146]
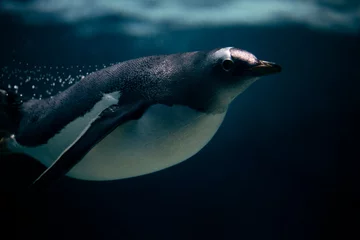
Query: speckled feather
[158, 79]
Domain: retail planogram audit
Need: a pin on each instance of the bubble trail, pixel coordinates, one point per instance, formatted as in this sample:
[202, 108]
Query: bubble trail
[43, 81]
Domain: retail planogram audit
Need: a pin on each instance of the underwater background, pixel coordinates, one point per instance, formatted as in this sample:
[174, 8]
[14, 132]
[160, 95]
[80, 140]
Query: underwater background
[283, 165]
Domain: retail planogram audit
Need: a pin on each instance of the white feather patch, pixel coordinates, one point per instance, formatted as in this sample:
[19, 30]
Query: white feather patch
[59, 143]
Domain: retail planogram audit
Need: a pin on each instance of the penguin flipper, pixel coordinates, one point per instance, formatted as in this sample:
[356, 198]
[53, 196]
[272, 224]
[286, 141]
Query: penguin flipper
[107, 121]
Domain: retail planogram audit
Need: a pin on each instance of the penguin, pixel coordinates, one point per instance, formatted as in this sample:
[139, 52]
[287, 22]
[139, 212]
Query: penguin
[132, 118]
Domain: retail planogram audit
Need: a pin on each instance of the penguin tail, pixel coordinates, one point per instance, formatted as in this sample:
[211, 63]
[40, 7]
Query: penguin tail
[10, 114]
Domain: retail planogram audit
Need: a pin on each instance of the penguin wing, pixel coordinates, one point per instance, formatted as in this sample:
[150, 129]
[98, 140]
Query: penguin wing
[107, 121]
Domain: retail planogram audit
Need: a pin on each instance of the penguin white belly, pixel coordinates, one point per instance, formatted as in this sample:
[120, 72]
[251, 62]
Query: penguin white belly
[162, 137]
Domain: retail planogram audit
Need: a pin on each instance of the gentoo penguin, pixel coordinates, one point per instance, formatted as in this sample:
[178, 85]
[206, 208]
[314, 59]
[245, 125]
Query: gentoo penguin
[132, 118]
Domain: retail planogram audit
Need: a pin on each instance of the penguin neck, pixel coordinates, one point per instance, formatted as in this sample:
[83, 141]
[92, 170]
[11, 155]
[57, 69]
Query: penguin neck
[228, 94]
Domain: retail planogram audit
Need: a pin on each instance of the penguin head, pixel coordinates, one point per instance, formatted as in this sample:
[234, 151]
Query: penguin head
[232, 70]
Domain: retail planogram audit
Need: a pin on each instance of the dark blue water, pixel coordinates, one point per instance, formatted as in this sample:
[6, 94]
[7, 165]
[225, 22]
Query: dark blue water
[284, 164]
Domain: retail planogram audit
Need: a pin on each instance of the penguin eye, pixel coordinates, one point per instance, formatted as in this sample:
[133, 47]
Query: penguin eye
[227, 64]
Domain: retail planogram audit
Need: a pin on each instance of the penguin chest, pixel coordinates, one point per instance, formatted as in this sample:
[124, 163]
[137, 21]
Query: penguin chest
[162, 137]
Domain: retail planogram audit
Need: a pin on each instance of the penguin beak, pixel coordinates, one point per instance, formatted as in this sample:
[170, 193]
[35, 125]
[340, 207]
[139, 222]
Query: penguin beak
[265, 68]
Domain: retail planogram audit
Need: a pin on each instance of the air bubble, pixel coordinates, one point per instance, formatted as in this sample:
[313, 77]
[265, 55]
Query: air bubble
[46, 76]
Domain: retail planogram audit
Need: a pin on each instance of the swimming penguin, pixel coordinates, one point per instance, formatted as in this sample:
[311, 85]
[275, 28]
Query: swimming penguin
[132, 118]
